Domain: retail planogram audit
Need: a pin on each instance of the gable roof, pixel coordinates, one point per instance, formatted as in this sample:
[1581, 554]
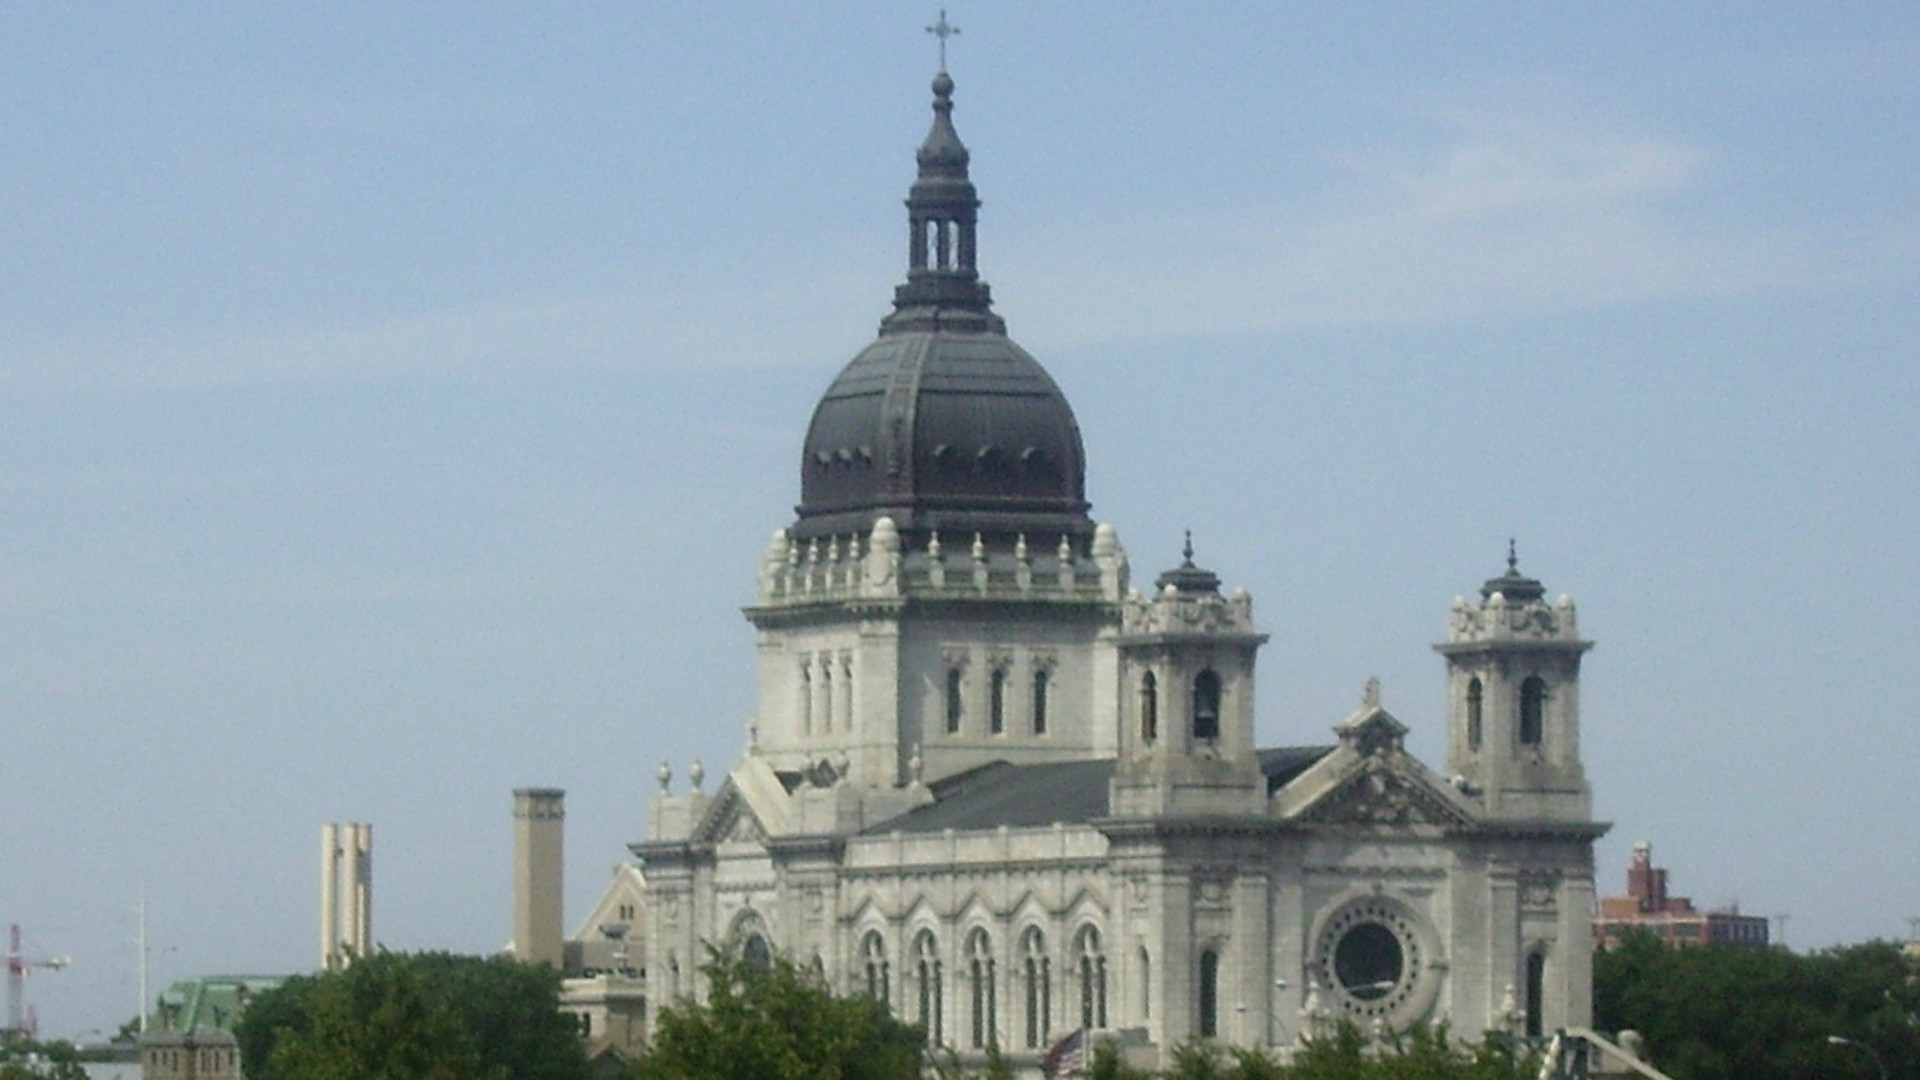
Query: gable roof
[1280, 764]
[1017, 796]
[1035, 796]
[208, 1003]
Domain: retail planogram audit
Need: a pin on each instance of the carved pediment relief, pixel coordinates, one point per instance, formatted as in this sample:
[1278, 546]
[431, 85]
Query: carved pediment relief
[1382, 797]
[729, 820]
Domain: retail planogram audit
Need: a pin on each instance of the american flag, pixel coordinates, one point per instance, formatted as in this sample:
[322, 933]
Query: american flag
[1068, 1057]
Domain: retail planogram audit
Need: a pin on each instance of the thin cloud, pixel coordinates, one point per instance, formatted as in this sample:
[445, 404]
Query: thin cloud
[659, 324]
[1503, 220]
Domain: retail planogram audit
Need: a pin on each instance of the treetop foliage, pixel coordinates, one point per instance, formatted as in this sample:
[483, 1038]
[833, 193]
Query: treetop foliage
[422, 1016]
[781, 1023]
[1764, 1014]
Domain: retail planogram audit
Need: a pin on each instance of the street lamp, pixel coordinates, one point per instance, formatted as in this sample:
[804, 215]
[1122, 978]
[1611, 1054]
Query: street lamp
[1842, 1040]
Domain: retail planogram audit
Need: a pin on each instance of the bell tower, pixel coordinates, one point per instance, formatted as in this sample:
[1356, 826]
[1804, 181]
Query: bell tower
[1186, 699]
[1513, 693]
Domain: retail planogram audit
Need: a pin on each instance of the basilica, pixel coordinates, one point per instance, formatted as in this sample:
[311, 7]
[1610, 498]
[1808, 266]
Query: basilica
[1009, 787]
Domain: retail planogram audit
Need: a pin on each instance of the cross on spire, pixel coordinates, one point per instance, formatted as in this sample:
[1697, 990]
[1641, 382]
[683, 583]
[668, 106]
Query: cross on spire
[943, 30]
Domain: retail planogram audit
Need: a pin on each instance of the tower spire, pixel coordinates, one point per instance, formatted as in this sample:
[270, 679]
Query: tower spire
[943, 290]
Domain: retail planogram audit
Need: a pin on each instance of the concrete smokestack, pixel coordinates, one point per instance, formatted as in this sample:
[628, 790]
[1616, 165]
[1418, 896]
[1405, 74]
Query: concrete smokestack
[346, 893]
[539, 857]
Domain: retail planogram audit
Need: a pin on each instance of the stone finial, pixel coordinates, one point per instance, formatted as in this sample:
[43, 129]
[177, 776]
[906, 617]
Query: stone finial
[1509, 1014]
[979, 549]
[772, 561]
[697, 773]
[664, 774]
[916, 765]
[1313, 1013]
[1104, 540]
[1370, 694]
[933, 544]
[1020, 547]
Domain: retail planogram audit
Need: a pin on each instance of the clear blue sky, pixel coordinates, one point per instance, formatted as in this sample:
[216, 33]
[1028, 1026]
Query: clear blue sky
[395, 399]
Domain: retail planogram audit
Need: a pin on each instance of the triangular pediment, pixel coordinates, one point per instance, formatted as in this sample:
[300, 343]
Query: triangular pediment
[1380, 794]
[730, 819]
[751, 806]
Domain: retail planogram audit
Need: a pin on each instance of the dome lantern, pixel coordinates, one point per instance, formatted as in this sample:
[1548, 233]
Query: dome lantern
[943, 422]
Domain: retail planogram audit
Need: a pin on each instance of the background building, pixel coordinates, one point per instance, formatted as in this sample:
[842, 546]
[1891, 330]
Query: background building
[190, 1034]
[1649, 909]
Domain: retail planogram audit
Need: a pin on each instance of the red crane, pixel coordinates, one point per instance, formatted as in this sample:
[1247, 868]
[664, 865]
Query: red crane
[20, 1023]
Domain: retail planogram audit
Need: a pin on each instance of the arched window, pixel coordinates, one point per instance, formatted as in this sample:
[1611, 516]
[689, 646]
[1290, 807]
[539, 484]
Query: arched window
[757, 953]
[1206, 705]
[1040, 702]
[1146, 985]
[846, 693]
[806, 696]
[984, 1029]
[926, 981]
[1039, 986]
[1149, 707]
[1476, 695]
[826, 693]
[1209, 993]
[1092, 964]
[873, 957]
[955, 706]
[1536, 991]
[1533, 710]
[997, 701]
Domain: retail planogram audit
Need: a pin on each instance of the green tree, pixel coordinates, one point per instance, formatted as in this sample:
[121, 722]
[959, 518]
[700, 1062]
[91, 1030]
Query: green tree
[781, 1023]
[1764, 1014]
[426, 1016]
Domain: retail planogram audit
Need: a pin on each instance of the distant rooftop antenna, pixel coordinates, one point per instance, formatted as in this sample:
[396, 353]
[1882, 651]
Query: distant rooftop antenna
[1780, 925]
[1913, 928]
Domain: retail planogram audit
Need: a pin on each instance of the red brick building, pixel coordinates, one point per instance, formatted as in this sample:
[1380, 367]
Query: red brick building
[1673, 919]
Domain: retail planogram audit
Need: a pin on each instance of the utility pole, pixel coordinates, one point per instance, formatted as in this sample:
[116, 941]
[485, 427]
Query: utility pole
[142, 1011]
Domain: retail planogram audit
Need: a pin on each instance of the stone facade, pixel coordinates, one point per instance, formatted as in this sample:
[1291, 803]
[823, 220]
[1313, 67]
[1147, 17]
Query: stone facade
[992, 783]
